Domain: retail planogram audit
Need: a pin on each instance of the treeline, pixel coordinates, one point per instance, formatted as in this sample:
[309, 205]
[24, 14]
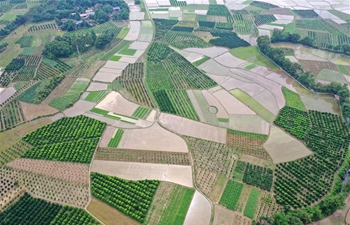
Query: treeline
[67, 45]
[295, 70]
[323, 209]
[54, 82]
[281, 36]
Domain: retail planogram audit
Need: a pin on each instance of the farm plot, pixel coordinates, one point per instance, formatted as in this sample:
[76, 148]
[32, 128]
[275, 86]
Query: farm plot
[140, 171]
[248, 143]
[13, 152]
[223, 216]
[153, 138]
[267, 205]
[249, 123]
[284, 148]
[210, 160]
[61, 89]
[71, 95]
[33, 210]
[258, 176]
[43, 27]
[140, 192]
[146, 33]
[134, 32]
[79, 108]
[50, 144]
[49, 188]
[293, 99]
[95, 86]
[11, 115]
[175, 102]
[32, 111]
[231, 194]
[71, 172]
[96, 96]
[212, 52]
[132, 79]
[118, 134]
[184, 40]
[177, 200]
[115, 102]
[131, 155]
[252, 203]
[253, 104]
[314, 174]
[331, 76]
[315, 67]
[239, 170]
[192, 128]
[199, 210]
[9, 193]
[142, 113]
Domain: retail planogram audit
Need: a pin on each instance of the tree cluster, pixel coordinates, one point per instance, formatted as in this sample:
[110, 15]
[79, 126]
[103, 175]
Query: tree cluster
[20, 19]
[295, 70]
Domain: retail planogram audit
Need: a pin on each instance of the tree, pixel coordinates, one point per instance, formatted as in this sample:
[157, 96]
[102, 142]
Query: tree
[69, 25]
[101, 16]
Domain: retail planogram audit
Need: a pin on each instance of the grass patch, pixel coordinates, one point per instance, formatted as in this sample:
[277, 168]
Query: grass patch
[122, 34]
[290, 27]
[96, 96]
[127, 51]
[343, 69]
[231, 194]
[251, 66]
[223, 120]
[28, 51]
[173, 18]
[115, 58]
[201, 61]
[104, 113]
[10, 16]
[293, 99]
[114, 142]
[331, 75]
[253, 104]
[252, 203]
[252, 54]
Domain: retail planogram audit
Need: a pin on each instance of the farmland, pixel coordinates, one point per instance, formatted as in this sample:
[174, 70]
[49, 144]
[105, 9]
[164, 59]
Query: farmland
[174, 112]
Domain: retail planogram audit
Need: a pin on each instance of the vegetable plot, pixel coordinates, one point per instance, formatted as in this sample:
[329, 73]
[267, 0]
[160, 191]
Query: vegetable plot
[132, 198]
[231, 194]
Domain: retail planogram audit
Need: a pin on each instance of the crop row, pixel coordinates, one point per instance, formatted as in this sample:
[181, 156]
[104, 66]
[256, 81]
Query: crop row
[231, 194]
[141, 112]
[175, 102]
[113, 143]
[183, 40]
[258, 176]
[13, 152]
[132, 198]
[264, 18]
[11, 115]
[131, 155]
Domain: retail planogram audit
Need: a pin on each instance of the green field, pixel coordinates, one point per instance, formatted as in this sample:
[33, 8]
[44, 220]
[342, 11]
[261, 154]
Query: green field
[141, 112]
[115, 58]
[293, 99]
[71, 96]
[113, 143]
[343, 69]
[123, 32]
[201, 61]
[231, 194]
[331, 75]
[96, 96]
[253, 104]
[127, 51]
[252, 203]
[104, 113]
[178, 207]
[252, 54]
[10, 16]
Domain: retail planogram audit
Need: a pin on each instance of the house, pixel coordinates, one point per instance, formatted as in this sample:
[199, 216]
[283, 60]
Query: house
[90, 12]
[83, 15]
[79, 22]
[117, 8]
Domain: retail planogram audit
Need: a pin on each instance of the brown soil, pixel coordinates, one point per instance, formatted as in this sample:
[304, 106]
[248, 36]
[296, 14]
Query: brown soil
[108, 215]
[91, 71]
[316, 66]
[281, 11]
[223, 216]
[240, 219]
[257, 161]
[71, 172]
[205, 180]
[31, 126]
[32, 111]
[130, 155]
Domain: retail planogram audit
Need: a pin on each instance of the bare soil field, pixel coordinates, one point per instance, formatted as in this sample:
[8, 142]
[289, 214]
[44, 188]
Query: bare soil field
[211, 52]
[192, 128]
[218, 188]
[108, 215]
[249, 123]
[140, 171]
[32, 111]
[199, 211]
[283, 147]
[218, 79]
[115, 102]
[31, 126]
[228, 60]
[212, 101]
[71, 172]
[282, 78]
[131, 155]
[213, 67]
[134, 31]
[153, 138]
[80, 107]
[316, 66]
[250, 88]
[223, 216]
[232, 104]
[94, 86]
[266, 99]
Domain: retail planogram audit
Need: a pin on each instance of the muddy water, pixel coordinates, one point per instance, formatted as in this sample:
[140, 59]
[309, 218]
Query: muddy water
[306, 53]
